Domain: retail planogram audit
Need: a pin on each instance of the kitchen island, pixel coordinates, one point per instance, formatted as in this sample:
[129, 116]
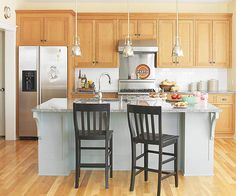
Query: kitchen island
[195, 126]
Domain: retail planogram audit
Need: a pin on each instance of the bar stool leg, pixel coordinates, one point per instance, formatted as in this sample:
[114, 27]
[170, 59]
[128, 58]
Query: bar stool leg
[133, 165]
[111, 157]
[77, 172]
[146, 162]
[106, 164]
[160, 172]
[176, 163]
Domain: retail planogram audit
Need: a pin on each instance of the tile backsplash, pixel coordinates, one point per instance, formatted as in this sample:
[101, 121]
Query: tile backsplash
[183, 76]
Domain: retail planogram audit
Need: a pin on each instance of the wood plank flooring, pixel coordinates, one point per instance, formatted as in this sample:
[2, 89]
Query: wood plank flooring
[18, 176]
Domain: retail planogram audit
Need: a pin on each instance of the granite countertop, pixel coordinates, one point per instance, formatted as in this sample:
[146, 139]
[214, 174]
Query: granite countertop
[60, 105]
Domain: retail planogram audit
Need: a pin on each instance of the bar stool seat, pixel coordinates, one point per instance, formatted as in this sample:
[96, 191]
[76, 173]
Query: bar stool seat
[96, 135]
[148, 138]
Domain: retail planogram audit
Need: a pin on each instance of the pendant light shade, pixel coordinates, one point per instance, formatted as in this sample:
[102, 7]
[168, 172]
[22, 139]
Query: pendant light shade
[128, 49]
[76, 50]
[177, 50]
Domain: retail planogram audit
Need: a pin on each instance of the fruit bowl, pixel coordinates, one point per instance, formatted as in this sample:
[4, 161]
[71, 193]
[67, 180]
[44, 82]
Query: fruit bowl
[165, 87]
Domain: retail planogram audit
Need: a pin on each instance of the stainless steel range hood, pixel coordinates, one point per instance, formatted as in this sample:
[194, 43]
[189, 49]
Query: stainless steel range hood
[149, 46]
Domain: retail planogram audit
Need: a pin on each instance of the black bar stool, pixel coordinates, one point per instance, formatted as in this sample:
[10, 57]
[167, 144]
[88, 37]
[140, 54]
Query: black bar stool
[143, 130]
[91, 122]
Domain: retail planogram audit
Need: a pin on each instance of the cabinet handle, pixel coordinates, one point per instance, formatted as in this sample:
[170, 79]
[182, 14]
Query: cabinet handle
[224, 99]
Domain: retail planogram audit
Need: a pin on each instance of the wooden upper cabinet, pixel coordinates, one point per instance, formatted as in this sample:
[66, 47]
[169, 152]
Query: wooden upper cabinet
[139, 29]
[123, 28]
[105, 43]
[98, 40]
[43, 28]
[56, 30]
[147, 29]
[204, 43]
[186, 35]
[213, 43]
[166, 42]
[221, 43]
[30, 30]
[87, 43]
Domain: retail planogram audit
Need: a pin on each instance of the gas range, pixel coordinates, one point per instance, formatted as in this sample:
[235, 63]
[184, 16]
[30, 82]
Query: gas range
[136, 87]
[136, 91]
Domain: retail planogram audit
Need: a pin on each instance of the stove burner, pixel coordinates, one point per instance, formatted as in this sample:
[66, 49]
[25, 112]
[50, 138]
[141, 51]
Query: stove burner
[136, 90]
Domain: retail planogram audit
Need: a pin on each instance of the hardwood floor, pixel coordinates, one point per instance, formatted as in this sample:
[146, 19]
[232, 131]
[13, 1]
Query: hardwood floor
[18, 176]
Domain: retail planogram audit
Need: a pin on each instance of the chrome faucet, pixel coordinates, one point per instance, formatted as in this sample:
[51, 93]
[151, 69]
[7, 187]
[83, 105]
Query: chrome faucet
[99, 84]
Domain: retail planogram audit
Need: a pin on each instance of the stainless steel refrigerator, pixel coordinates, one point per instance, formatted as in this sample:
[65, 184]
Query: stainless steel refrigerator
[42, 76]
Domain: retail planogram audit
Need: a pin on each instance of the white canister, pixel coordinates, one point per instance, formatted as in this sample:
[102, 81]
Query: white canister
[213, 85]
[202, 86]
[193, 86]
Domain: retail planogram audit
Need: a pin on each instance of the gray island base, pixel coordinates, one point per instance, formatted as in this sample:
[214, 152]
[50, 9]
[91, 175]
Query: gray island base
[195, 126]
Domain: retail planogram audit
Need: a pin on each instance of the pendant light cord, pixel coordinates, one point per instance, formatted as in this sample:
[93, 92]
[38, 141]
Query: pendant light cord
[177, 22]
[76, 25]
[128, 19]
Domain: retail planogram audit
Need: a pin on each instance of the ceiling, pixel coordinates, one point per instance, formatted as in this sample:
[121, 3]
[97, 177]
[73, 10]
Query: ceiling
[136, 1]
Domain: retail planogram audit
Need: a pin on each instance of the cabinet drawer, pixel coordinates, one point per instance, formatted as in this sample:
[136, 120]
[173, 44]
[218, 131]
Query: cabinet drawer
[225, 99]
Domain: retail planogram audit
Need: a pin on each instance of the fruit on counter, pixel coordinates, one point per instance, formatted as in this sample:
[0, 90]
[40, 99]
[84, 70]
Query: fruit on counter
[153, 95]
[174, 88]
[168, 83]
[176, 96]
[181, 104]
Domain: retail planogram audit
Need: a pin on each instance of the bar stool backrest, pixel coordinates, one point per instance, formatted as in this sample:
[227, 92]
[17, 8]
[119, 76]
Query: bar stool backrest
[143, 122]
[90, 118]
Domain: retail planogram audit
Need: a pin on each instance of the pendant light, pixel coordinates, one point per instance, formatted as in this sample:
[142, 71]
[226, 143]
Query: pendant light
[76, 50]
[177, 50]
[128, 49]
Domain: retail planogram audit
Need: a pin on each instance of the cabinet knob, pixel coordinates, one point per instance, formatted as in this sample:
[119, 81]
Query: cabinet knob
[139, 34]
[214, 62]
[41, 40]
[224, 99]
[96, 62]
[93, 62]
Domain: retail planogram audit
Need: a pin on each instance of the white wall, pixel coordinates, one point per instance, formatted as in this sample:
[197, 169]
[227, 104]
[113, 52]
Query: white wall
[183, 77]
[11, 4]
[9, 26]
[121, 6]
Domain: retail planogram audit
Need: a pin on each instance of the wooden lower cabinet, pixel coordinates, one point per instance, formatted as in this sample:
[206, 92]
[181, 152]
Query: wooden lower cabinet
[225, 126]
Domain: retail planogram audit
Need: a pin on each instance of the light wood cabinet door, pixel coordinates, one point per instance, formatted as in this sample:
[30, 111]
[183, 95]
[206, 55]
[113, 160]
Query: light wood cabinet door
[221, 43]
[186, 35]
[147, 29]
[87, 44]
[204, 43]
[31, 30]
[123, 29]
[105, 43]
[56, 30]
[225, 122]
[166, 42]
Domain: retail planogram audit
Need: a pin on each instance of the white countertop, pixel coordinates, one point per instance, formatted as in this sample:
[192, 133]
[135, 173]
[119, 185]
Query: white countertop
[66, 105]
